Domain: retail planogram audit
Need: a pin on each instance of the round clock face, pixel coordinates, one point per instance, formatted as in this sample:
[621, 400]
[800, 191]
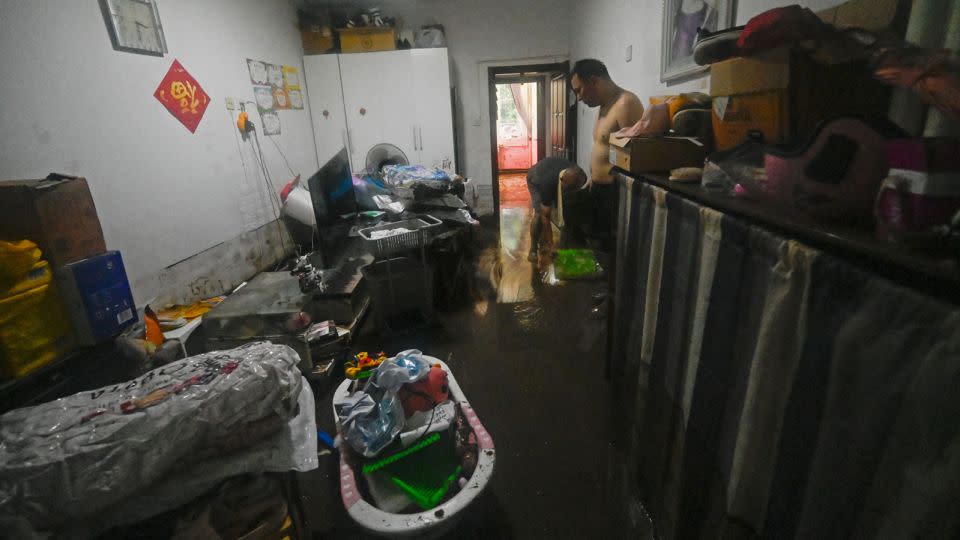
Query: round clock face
[137, 26]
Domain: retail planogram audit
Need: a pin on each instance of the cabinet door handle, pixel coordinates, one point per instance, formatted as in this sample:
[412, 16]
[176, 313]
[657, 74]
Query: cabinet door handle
[420, 129]
[414, 137]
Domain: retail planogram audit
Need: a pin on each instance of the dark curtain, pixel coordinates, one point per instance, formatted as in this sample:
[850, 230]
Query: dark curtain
[771, 390]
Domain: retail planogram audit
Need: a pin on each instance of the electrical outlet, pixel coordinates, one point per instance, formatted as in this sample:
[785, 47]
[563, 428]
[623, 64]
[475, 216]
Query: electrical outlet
[629, 54]
[231, 104]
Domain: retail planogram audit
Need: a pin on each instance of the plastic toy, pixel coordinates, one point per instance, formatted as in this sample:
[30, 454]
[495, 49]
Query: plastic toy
[425, 394]
[383, 462]
[362, 365]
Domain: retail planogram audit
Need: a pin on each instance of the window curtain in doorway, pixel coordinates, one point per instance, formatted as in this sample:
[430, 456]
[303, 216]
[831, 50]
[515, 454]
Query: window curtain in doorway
[521, 100]
[771, 390]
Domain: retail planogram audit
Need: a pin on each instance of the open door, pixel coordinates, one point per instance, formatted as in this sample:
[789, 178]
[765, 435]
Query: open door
[524, 102]
[519, 114]
[562, 119]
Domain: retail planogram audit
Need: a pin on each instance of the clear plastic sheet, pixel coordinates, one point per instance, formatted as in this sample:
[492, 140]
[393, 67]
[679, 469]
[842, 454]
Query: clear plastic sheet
[407, 176]
[169, 434]
[368, 188]
[430, 38]
[372, 419]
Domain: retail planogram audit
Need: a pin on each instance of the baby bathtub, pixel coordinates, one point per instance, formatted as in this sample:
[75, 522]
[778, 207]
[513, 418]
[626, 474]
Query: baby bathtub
[432, 522]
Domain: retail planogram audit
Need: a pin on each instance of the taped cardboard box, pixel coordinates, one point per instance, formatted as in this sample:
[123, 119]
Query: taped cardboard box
[866, 14]
[314, 42]
[785, 95]
[656, 154]
[57, 213]
[734, 117]
[750, 94]
[371, 39]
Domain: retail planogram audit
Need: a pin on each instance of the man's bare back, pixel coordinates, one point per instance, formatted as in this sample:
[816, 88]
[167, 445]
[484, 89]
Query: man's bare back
[625, 111]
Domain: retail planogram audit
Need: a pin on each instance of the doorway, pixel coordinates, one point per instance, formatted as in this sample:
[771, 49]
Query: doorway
[524, 105]
[524, 102]
[518, 113]
[519, 117]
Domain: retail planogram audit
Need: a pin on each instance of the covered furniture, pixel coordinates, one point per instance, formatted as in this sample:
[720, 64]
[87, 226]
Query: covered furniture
[778, 378]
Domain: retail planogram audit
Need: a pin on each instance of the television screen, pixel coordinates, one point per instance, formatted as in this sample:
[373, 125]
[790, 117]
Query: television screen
[331, 190]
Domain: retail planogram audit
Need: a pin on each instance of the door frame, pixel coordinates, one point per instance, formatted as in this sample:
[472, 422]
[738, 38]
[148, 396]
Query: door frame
[523, 71]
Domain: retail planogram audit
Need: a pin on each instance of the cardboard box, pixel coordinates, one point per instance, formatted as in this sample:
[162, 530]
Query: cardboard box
[656, 154]
[354, 40]
[314, 42]
[866, 14]
[57, 213]
[785, 96]
[750, 74]
[750, 93]
[734, 117]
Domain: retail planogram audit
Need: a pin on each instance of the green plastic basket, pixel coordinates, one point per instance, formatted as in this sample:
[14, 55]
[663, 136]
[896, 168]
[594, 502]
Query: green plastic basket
[576, 264]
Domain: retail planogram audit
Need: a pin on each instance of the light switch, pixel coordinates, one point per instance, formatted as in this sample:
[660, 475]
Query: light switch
[231, 104]
[629, 53]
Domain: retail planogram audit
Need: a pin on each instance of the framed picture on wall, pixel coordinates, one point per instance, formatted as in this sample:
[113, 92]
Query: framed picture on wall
[681, 18]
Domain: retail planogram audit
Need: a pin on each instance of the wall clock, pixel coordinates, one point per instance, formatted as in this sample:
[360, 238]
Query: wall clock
[134, 26]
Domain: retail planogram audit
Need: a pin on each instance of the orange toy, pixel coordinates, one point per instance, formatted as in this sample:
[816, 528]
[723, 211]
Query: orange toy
[362, 366]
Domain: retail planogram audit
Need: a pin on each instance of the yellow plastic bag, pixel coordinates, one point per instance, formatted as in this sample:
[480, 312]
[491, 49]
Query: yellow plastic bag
[34, 328]
[17, 259]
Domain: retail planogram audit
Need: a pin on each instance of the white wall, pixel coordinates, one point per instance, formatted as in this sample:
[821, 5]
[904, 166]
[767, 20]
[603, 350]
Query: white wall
[72, 104]
[604, 29]
[480, 34]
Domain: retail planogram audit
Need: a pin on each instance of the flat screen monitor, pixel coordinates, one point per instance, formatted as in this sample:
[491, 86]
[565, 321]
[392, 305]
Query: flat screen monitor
[331, 190]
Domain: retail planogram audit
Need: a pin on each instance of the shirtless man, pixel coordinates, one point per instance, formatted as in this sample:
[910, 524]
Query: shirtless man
[619, 108]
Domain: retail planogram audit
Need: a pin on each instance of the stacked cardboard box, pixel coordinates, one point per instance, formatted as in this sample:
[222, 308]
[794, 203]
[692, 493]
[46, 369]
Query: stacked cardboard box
[57, 213]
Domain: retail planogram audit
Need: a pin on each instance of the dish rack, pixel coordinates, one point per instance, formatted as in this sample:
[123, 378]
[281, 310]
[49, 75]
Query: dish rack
[390, 238]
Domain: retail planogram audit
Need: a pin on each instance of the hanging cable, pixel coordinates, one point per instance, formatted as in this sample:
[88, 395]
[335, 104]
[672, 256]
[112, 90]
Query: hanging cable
[275, 204]
[275, 198]
[275, 201]
[246, 174]
[289, 168]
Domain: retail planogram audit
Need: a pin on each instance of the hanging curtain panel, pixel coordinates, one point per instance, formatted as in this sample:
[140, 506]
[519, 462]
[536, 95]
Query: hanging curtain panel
[772, 390]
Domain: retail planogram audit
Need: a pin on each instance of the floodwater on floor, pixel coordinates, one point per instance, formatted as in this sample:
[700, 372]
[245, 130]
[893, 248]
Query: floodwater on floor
[513, 190]
[533, 370]
[516, 275]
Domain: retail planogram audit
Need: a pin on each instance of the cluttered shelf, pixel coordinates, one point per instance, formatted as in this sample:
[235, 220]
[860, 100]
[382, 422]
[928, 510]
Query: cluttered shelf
[938, 276]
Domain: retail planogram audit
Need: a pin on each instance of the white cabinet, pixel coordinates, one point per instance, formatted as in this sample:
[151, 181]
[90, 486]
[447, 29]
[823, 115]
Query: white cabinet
[378, 93]
[322, 77]
[396, 97]
[434, 114]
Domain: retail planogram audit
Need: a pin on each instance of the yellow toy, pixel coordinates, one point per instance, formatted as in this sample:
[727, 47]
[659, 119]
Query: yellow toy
[362, 365]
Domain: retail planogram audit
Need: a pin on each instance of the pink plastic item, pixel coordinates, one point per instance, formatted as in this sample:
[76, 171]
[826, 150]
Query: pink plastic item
[922, 189]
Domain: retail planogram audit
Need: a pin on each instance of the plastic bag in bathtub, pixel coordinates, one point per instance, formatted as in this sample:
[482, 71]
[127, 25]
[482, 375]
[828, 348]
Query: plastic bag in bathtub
[373, 417]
